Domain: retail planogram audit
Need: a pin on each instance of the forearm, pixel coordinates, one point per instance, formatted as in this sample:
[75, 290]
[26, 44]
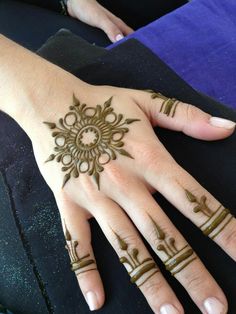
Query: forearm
[29, 84]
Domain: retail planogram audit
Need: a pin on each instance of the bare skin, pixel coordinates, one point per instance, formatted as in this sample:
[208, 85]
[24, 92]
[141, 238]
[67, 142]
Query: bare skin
[94, 14]
[33, 91]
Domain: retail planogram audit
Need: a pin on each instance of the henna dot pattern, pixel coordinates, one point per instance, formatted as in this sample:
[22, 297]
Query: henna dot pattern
[216, 220]
[139, 270]
[87, 138]
[168, 106]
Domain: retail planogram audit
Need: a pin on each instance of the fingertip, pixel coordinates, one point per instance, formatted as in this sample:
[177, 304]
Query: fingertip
[119, 37]
[113, 32]
[201, 125]
[92, 289]
[93, 300]
[214, 129]
[222, 123]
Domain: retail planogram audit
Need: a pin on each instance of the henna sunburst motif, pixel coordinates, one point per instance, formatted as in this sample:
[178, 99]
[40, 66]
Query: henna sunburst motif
[87, 138]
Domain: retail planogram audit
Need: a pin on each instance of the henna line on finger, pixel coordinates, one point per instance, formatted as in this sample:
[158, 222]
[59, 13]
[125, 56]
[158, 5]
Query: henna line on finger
[175, 257]
[214, 218]
[210, 217]
[138, 268]
[157, 271]
[179, 259]
[183, 248]
[215, 235]
[181, 268]
[167, 104]
[77, 263]
[145, 269]
[216, 222]
[176, 104]
[77, 273]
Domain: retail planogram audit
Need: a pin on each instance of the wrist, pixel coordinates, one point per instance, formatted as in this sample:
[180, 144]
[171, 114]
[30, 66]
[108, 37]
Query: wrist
[31, 88]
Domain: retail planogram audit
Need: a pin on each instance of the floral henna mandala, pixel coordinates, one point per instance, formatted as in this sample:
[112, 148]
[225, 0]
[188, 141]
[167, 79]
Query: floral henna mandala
[176, 259]
[87, 138]
[139, 270]
[215, 221]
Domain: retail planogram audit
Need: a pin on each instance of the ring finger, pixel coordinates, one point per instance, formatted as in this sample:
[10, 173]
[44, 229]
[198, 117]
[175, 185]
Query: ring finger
[196, 203]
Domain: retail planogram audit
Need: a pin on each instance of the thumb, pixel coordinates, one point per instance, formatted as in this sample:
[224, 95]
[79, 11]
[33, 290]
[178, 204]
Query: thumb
[113, 32]
[178, 116]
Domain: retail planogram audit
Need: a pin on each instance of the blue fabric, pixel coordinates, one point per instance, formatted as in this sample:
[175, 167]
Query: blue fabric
[198, 41]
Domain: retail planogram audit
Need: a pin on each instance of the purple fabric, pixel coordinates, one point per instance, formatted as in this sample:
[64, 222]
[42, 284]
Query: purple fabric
[198, 41]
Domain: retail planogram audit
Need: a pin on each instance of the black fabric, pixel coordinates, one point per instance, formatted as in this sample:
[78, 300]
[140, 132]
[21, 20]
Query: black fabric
[34, 210]
[31, 22]
[54, 49]
[134, 13]
[30, 25]
[140, 13]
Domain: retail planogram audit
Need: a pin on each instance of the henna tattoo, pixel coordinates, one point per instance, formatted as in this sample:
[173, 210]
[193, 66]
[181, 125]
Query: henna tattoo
[139, 271]
[168, 103]
[176, 259]
[87, 138]
[216, 220]
[77, 263]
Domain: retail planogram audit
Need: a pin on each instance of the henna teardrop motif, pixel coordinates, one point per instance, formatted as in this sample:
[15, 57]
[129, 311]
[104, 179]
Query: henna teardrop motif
[87, 138]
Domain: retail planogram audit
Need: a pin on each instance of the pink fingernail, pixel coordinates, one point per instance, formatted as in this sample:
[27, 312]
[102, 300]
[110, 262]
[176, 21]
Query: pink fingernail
[222, 123]
[119, 37]
[214, 306]
[168, 309]
[92, 301]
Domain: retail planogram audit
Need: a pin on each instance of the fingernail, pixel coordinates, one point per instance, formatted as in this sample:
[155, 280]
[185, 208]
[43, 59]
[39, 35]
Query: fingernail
[222, 123]
[92, 301]
[119, 37]
[168, 309]
[214, 306]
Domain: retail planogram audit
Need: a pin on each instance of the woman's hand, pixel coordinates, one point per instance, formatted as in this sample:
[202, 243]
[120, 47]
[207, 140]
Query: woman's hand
[94, 14]
[104, 161]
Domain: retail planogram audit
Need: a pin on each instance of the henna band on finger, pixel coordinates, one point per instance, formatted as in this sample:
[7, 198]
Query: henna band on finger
[78, 264]
[215, 221]
[139, 270]
[88, 138]
[176, 259]
[168, 106]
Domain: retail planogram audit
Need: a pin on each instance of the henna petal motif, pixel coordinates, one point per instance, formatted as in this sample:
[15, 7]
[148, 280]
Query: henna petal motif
[88, 138]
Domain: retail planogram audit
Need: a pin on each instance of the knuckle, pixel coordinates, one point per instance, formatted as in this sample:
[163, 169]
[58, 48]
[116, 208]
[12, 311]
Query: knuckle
[229, 239]
[118, 178]
[152, 287]
[191, 112]
[155, 157]
[109, 27]
[194, 282]
[130, 238]
[150, 154]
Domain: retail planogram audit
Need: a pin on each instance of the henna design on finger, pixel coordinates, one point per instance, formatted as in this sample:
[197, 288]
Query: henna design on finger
[176, 259]
[216, 220]
[139, 270]
[77, 263]
[167, 105]
[88, 138]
